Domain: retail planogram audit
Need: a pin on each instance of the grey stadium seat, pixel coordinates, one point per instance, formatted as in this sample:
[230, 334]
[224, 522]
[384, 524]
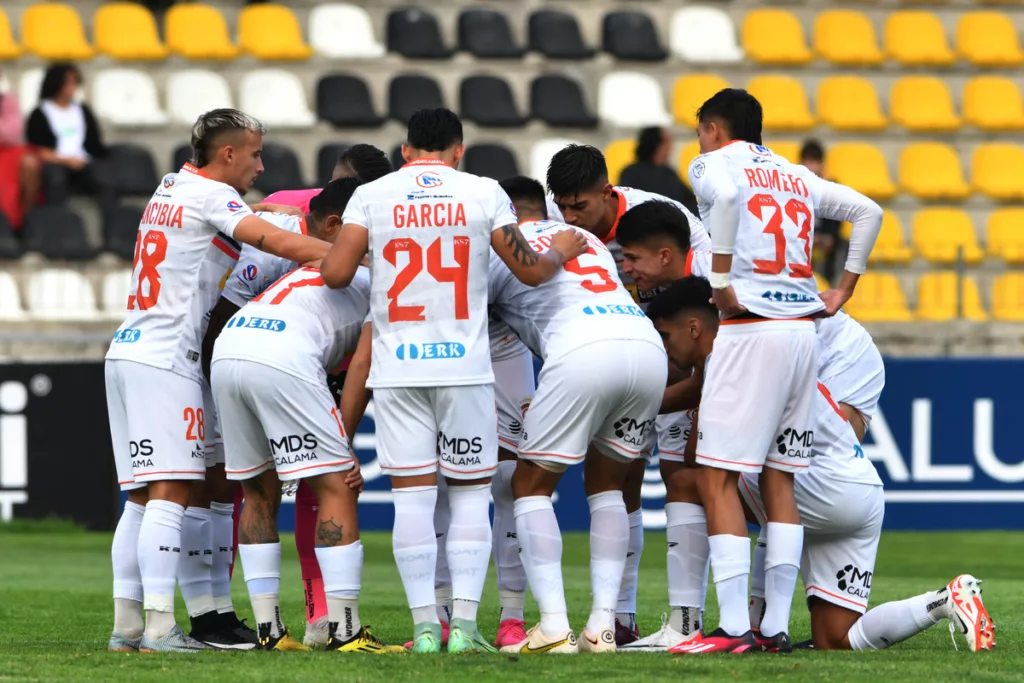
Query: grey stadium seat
[556, 35]
[558, 101]
[409, 93]
[491, 161]
[57, 233]
[414, 33]
[345, 101]
[485, 33]
[281, 169]
[488, 101]
[631, 36]
[326, 159]
[134, 170]
[122, 230]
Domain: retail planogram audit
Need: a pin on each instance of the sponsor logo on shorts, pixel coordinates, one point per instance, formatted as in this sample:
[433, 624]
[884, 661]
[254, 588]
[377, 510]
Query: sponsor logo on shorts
[430, 351]
[141, 452]
[269, 324]
[794, 443]
[294, 448]
[127, 336]
[632, 431]
[459, 451]
[852, 581]
[617, 309]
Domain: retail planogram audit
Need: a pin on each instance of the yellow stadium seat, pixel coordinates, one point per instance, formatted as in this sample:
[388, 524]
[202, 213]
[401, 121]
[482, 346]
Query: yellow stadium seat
[923, 104]
[861, 166]
[127, 31]
[1004, 235]
[1008, 297]
[54, 31]
[997, 170]
[690, 92]
[849, 103]
[688, 153]
[774, 36]
[916, 38]
[8, 46]
[787, 149]
[618, 155]
[939, 298]
[988, 39]
[879, 298]
[270, 31]
[846, 38]
[932, 170]
[944, 235]
[993, 103]
[197, 31]
[784, 102]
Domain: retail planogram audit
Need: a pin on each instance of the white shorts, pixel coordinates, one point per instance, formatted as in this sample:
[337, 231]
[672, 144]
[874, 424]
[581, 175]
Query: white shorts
[214, 443]
[860, 383]
[673, 433]
[157, 424]
[422, 428]
[606, 392]
[514, 386]
[756, 406]
[272, 419]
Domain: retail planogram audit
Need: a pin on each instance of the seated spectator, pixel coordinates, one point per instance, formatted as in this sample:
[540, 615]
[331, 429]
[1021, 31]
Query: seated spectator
[651, 171]
[828, 244]
[19, 166]
[67, 139]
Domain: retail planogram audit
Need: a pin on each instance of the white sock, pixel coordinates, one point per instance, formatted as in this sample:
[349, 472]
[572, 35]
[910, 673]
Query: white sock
[442, 576]
[443, 598]
[159, 550]
[686, 531]
[730, 562]
[222, 534]
[541, 543]
[124, 555]
[757, 605]
[261, 568]
[469, 547]
[781, 566]
[196, 561]
[609, 541]
[893, 622]
[415, 548]
[626, 608]
[505, 545]
[342, 569]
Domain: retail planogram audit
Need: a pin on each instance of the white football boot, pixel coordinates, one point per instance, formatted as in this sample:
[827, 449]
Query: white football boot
[660, 641]
[537, 643]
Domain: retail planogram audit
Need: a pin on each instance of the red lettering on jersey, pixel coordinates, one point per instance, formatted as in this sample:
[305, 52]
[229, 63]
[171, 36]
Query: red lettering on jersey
[176, 218]
[398, 218]
[460, 215]
[429, 215]
[157, 213]
[776, 180]
[161, 219]
[751, 177]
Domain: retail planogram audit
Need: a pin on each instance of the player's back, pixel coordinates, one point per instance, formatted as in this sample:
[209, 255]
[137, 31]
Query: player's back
[775, 205]
[256, 270]
[584, 302]
[298, 324]
[175, 267]
[430, 242]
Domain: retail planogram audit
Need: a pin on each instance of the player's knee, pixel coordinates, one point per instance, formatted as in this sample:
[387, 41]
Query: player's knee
[171, 491]
[830, 624]
[683, 484]
[535, 478]
[714, 483]
[199, 494]
[139, 496]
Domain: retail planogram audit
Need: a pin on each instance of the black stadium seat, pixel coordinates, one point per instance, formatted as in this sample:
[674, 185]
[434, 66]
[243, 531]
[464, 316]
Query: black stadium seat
[281, 169]
[488, 101]
[556, 35]
[57, 233]
[632, 36]
[10, 247]
[122, 230]
[182, 153]
[491, 161]
[558, 101]
[486, 34]
[345, 101]
[414, 33]
[134, 170]
[409, 93]
[397, 160]
[327, 159]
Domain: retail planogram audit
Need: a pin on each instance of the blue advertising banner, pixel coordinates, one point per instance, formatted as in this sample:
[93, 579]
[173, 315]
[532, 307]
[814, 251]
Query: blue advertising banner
[942, 441]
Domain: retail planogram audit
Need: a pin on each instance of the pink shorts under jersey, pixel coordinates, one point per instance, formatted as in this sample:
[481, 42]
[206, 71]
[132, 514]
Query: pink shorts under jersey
[298, 198]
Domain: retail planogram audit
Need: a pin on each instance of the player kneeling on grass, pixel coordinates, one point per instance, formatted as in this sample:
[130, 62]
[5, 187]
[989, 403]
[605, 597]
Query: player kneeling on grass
[602, 383]
[841, 541]
[280, 422]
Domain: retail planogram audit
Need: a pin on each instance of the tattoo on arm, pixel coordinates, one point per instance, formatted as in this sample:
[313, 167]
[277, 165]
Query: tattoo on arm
[259, 242]
[328, 534]
[522, 252]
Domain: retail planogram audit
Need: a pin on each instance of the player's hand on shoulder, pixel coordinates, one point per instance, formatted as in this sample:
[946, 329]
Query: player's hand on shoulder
[569, 243]
[727, 302]
[834, 300]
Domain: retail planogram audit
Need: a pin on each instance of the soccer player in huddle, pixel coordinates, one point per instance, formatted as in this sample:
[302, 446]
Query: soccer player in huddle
[153, 374]
[429, 230]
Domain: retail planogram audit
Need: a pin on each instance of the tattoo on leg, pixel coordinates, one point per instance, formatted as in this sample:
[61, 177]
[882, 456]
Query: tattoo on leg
[521, 249]
[328, 534]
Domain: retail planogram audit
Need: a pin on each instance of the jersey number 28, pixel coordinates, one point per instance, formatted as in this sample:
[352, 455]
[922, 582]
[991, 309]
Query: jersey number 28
[151, 251]
[798, 213]
[458, 275]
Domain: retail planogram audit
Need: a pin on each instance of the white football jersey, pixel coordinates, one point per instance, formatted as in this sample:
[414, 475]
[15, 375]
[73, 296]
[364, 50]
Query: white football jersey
[841, 342]
[505, 343]
[170, 287]
[299, 325]
[836, 451]
[628, 198]
[430, 244]
[256, 270]
[584, 302]
[776, 205]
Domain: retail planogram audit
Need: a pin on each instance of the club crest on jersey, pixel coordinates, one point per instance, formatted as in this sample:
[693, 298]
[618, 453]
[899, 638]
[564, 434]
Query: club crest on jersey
[429, 180]
[697, 169]
[250, 272]
[760, 149]
[235, 206]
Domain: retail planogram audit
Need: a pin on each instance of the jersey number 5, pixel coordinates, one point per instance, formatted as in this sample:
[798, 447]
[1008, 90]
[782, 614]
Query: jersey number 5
[602, 280]
[458, 275]
[151, 251]
[800, 216]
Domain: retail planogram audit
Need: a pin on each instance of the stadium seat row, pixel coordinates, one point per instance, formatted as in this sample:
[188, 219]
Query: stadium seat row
[68, 295]
[269, 31]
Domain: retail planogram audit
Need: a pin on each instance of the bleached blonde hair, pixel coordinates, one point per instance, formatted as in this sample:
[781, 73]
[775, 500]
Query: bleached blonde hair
[214, 123]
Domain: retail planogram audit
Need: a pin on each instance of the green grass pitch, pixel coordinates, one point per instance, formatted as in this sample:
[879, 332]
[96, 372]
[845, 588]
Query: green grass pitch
[55, 617]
